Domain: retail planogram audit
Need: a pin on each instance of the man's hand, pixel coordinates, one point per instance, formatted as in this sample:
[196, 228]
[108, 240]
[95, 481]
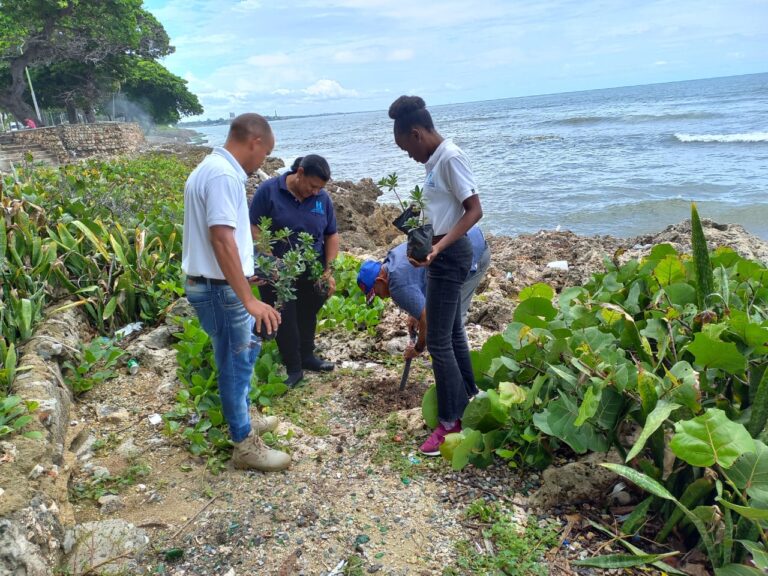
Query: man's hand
[263, 314]
[257, 281]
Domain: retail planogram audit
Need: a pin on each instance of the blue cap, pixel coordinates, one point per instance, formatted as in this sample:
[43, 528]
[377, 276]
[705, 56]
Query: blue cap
[369, 271]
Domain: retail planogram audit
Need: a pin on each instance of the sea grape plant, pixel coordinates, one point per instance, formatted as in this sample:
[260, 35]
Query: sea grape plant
[660, 346]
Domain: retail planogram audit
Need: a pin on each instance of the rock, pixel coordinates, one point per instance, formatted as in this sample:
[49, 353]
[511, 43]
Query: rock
[36, 472]
[116, 416]
[94, 542]
[110, 504]
[100, 472]
[128, 449]
[30, 539]
[17, 554]
[577, 482]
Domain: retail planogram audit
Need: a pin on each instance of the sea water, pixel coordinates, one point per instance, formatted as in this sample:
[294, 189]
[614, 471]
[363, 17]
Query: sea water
[619, 161]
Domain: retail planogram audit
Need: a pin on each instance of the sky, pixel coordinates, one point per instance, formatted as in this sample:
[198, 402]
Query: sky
[299, 57]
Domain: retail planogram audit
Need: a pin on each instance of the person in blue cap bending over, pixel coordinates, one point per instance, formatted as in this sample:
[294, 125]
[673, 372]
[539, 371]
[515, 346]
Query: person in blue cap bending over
[406, 284]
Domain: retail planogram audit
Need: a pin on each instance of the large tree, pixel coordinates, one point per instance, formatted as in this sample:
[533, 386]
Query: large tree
[43, 33]
[164, 96]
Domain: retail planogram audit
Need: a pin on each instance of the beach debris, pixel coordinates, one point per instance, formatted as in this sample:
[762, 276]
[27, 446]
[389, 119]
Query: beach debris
[558, 265]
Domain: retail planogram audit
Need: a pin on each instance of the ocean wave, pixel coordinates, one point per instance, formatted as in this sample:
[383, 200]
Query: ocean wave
[632, 118]
[746, 137]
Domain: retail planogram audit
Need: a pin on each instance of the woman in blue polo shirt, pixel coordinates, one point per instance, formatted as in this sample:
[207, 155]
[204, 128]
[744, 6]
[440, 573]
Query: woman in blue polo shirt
[452, 207]
[298, 201]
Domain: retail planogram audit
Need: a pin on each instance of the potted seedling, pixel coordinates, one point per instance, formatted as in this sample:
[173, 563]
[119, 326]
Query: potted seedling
[412, 221]
[313, 264]
[279, 273]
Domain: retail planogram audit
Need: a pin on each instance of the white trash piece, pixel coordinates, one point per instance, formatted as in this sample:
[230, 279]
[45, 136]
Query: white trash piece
[154, 419]
[558, 265]
[128, 329]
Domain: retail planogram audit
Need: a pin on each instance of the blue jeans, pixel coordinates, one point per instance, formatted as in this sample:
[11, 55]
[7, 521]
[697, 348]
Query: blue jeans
[235, 348]
[446, 339]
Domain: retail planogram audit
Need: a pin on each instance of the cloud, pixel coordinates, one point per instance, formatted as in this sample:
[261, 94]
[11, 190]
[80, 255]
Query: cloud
[270, 60]
[365, 56]
[328, 89]
[247, 6]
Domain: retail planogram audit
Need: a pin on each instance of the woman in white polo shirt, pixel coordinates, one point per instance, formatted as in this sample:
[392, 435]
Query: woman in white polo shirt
[452, 207]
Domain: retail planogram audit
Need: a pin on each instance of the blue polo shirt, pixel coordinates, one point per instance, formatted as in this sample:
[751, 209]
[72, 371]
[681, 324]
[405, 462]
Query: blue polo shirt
[314, 215]
[408, 284]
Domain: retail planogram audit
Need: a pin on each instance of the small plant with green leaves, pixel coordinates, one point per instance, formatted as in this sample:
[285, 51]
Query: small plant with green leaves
[413, 220]
[97, 364]
[515, 549]
[282, 273]
[197, 416]
[413, 209]
[15, 415]
[96, 487]
[347, 308]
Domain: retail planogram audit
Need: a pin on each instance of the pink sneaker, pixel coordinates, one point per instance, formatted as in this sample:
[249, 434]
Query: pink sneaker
[432, 446]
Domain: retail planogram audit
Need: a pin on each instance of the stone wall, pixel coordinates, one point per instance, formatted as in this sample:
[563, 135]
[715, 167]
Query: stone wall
[83, 140]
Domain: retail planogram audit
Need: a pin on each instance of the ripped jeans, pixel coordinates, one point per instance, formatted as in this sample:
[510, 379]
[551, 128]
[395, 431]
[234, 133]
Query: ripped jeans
[235, 348]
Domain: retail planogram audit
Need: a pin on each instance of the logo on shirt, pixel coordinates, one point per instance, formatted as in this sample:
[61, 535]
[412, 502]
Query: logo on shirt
[318, 209]
[430, 181]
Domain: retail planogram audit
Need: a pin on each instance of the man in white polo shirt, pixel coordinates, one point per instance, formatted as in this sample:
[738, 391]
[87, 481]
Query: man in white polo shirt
[217, 259]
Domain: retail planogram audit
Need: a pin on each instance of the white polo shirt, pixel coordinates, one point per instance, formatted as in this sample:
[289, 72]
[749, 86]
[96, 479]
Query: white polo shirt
[448, 183]
[215, 195]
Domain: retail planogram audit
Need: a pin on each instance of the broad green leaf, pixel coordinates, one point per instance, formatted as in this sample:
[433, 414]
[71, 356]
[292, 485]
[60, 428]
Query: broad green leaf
[652, 423]
[535, 312]
[670, 270]
[717, 354]
[711, 438]
[661, 251]
[749, 512]
[510, 393]
[588, 406]
[109, 309]
[750, 472]
[738, 570]
[645, 482]
[558, 420]
[539, 290]
[485, 413]
[471, 444]
[622, 560]
[429, 407]
[681, 293]
[759, 555]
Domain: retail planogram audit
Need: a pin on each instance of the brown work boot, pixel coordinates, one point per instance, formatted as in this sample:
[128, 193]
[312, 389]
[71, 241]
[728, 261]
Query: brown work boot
[262, 424]
[251, 453]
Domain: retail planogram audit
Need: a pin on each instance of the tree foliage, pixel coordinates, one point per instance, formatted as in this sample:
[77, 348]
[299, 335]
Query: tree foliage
[80, 52]
[163, 95]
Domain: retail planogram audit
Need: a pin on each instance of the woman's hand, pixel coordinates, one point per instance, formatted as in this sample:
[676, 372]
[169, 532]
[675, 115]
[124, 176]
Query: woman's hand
[330, 281]
[410, 352]
[428, 260]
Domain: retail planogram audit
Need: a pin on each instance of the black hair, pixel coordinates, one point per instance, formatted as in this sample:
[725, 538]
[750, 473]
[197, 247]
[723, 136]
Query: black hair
[410, 111]
[248, 125]
[313, 165]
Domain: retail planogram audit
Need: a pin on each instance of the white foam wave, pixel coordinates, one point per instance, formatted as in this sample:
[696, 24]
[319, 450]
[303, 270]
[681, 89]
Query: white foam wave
[747, 137]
